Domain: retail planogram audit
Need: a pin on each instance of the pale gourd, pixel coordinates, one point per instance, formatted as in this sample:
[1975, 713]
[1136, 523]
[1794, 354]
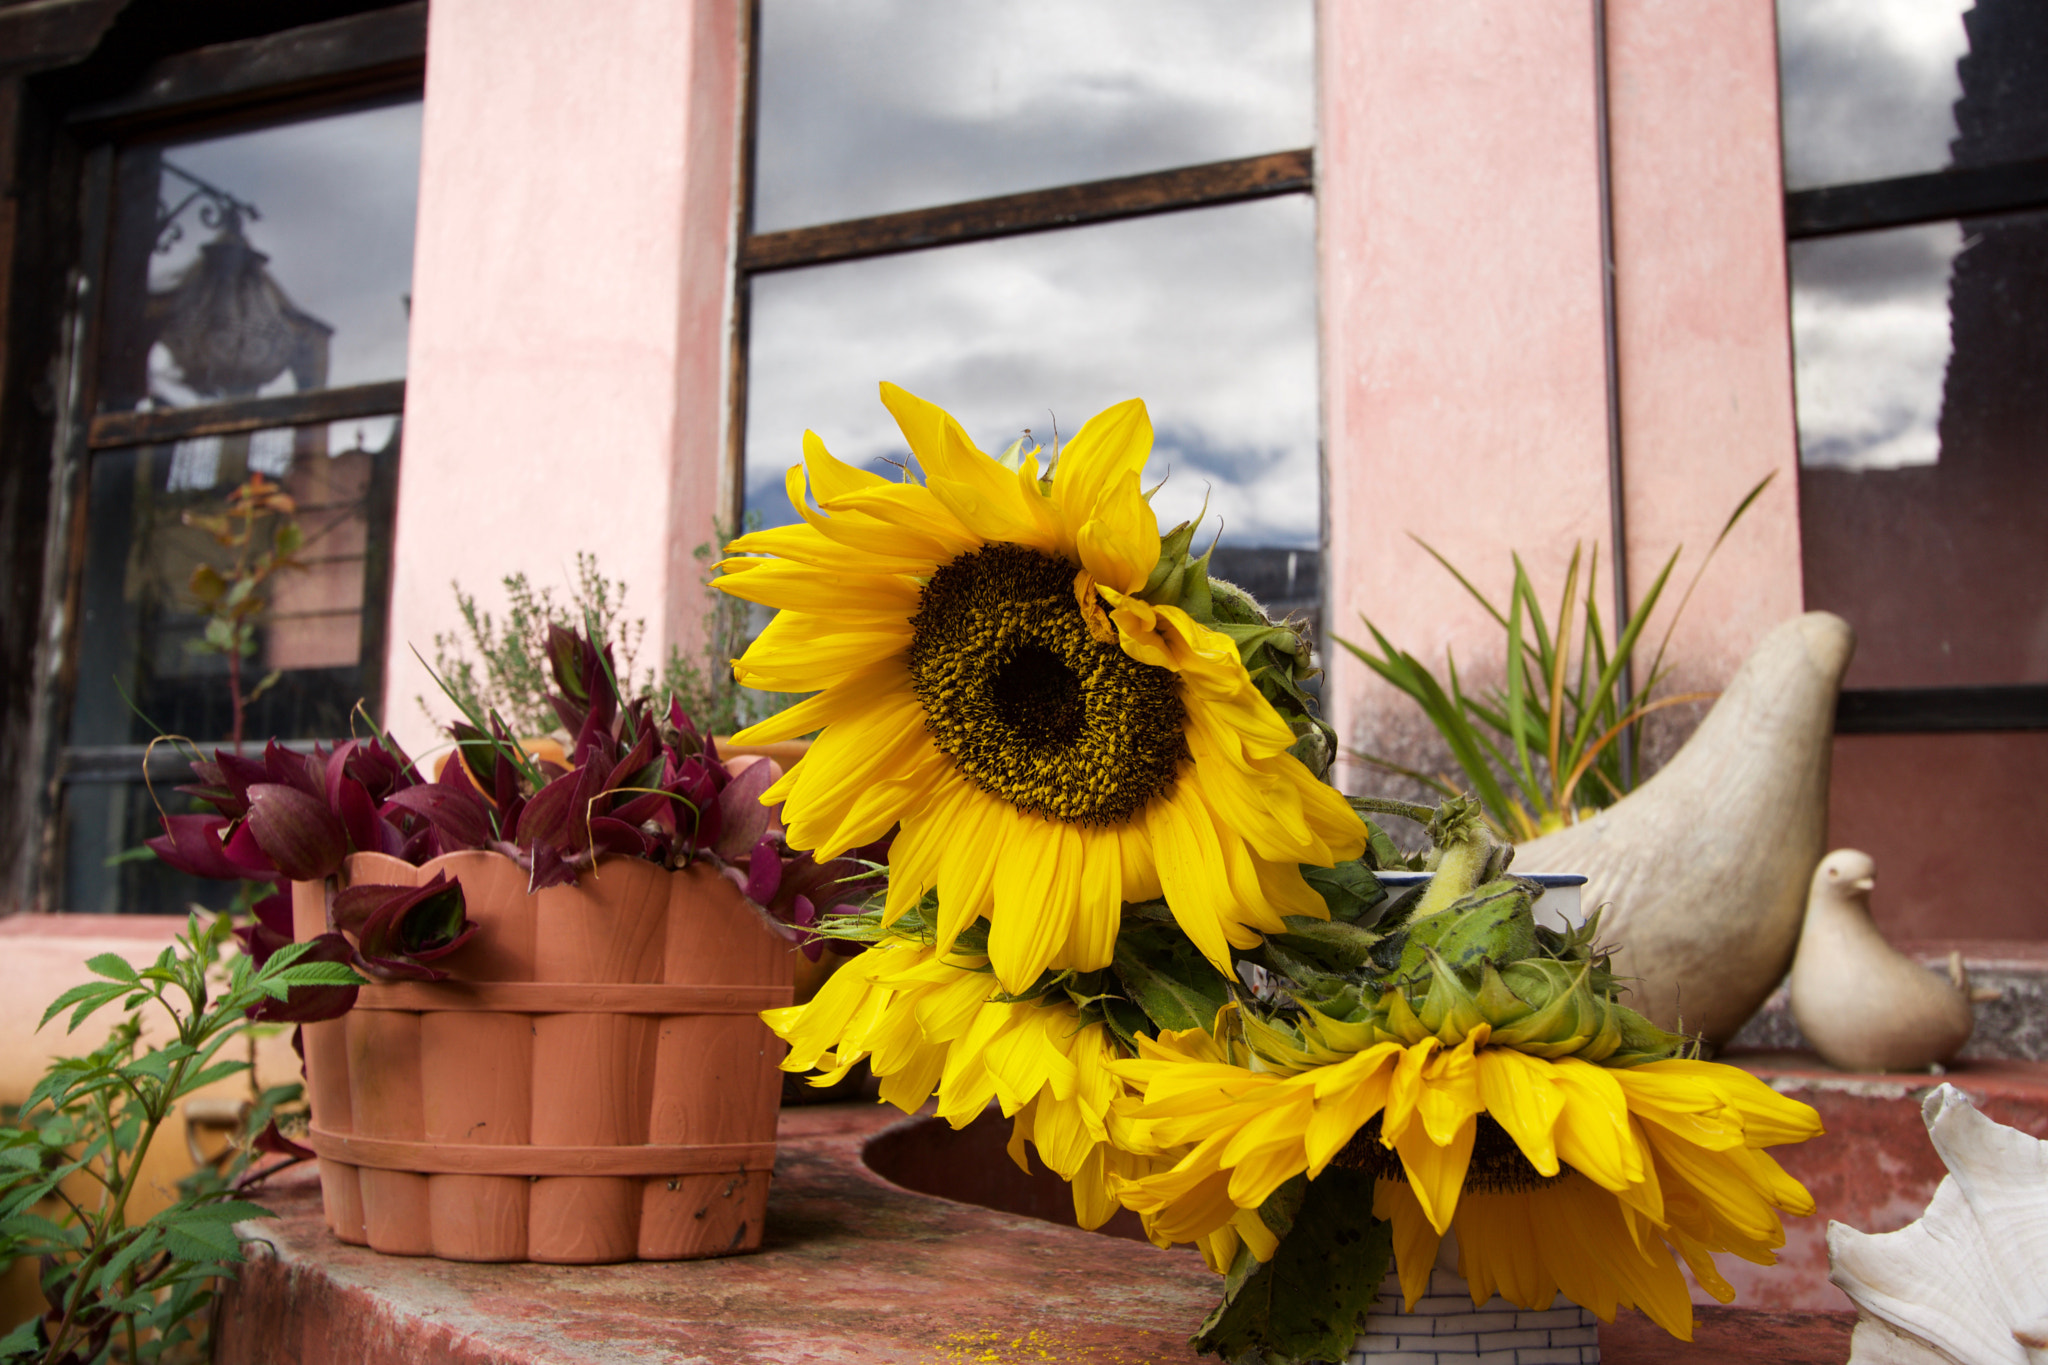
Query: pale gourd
[1704, 868]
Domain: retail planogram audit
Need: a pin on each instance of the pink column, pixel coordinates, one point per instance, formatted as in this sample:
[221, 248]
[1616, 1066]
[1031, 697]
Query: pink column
[1464, 389]
[1706, 352]
[571, 298]
[1464, 379]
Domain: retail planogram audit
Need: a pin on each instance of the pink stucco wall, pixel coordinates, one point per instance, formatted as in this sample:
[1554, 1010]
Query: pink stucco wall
[1464, 380]
[570, 309]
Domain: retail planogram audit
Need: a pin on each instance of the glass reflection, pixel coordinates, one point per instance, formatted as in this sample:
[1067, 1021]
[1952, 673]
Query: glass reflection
[1873, 89]
[264, 262]
[900, 104]
[142, 635]
[1923, 415]
[1208, 315]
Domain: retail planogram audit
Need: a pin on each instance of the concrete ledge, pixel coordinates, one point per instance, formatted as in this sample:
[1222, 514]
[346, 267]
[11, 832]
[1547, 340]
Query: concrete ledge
[853, 1269]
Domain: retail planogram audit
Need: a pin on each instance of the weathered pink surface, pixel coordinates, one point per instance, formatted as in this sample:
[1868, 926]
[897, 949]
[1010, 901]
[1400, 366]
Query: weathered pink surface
[1464, 379]
[1875, 1168]
[852, 1269]
[566, 386]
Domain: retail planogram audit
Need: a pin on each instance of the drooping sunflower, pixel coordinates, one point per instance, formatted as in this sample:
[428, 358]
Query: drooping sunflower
[1018, 670]
[1557, 1170]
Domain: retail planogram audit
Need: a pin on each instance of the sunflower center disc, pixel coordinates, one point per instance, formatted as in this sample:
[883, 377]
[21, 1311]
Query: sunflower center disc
[1498, 1166]
[1032, 707]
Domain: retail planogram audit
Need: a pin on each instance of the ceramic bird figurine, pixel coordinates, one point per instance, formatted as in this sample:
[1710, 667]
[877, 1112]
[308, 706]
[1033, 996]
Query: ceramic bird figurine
[1863, 1004]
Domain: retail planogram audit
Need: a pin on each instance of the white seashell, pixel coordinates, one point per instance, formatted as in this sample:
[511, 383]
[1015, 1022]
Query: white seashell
[1968, 1283]
[1703, 869]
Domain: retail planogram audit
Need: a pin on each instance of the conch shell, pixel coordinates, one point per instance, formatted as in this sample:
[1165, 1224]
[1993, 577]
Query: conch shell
[1704, 867]
[1968, 1282]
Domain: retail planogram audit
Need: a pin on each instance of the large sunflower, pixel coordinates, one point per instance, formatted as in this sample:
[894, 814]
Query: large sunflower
[1009, 666]
[1557, 1174]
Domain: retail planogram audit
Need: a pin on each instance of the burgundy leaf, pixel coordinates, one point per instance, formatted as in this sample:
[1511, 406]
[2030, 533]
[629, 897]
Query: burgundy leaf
[609, 835]
[457, 813]
[311, 1004]
[742, 816]
[276, 1143]
[301, 772]
[271, 930]
[295, 828]
[358, 817]
[242, 850]
[764, 873]
[419, 922]
[552, 868]
[191, 843]
[803, 916]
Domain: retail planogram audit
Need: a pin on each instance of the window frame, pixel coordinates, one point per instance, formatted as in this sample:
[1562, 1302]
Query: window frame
[369, 58]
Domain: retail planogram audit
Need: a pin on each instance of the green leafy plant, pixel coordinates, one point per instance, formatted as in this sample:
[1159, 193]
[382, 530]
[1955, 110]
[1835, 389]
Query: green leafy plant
[260, 528]
[491, 666]
[509, 673]
[121, 1288]
[1564, 735]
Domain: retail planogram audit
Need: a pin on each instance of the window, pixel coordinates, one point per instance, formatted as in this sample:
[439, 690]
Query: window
[1916, 159]
[245, 273]
[1027, 213]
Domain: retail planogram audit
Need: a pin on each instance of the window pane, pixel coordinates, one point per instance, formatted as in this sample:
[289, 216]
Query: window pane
[1879, 88]
[101, 821]
[901, 104]
[1209, 316]
[265, 262]
[1923, 432]
[143, 636]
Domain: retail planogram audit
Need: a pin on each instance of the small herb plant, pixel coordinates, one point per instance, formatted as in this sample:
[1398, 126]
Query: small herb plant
[503, 666]
[1547, 748]
[122, 1289]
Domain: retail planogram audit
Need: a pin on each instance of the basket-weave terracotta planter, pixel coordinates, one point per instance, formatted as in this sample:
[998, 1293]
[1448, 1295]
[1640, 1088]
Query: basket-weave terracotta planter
[593, 1086]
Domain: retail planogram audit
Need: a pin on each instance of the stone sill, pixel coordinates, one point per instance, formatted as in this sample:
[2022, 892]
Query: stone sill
[853, 1269]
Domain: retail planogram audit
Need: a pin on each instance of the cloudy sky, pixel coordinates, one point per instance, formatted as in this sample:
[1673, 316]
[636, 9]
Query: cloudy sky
[1869, 88]
[338, 196]
[1209, 315]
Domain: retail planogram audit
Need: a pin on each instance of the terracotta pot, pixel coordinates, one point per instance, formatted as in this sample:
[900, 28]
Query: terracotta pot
[593, 1085]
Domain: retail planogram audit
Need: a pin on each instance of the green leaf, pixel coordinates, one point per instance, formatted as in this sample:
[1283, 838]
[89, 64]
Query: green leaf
[1168, 978]
[198, 1240]
[1329, 944]
[25, 1342]
[1349, 889]
[88, 997]
[112, 966]
[1308, 1302]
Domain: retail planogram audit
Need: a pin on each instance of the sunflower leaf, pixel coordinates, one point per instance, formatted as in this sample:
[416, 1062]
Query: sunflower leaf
[1167, 977]
[1349, 889]
[1310, 1300]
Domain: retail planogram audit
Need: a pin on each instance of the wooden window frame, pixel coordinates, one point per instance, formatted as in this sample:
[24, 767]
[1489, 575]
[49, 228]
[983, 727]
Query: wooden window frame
[362, 60]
